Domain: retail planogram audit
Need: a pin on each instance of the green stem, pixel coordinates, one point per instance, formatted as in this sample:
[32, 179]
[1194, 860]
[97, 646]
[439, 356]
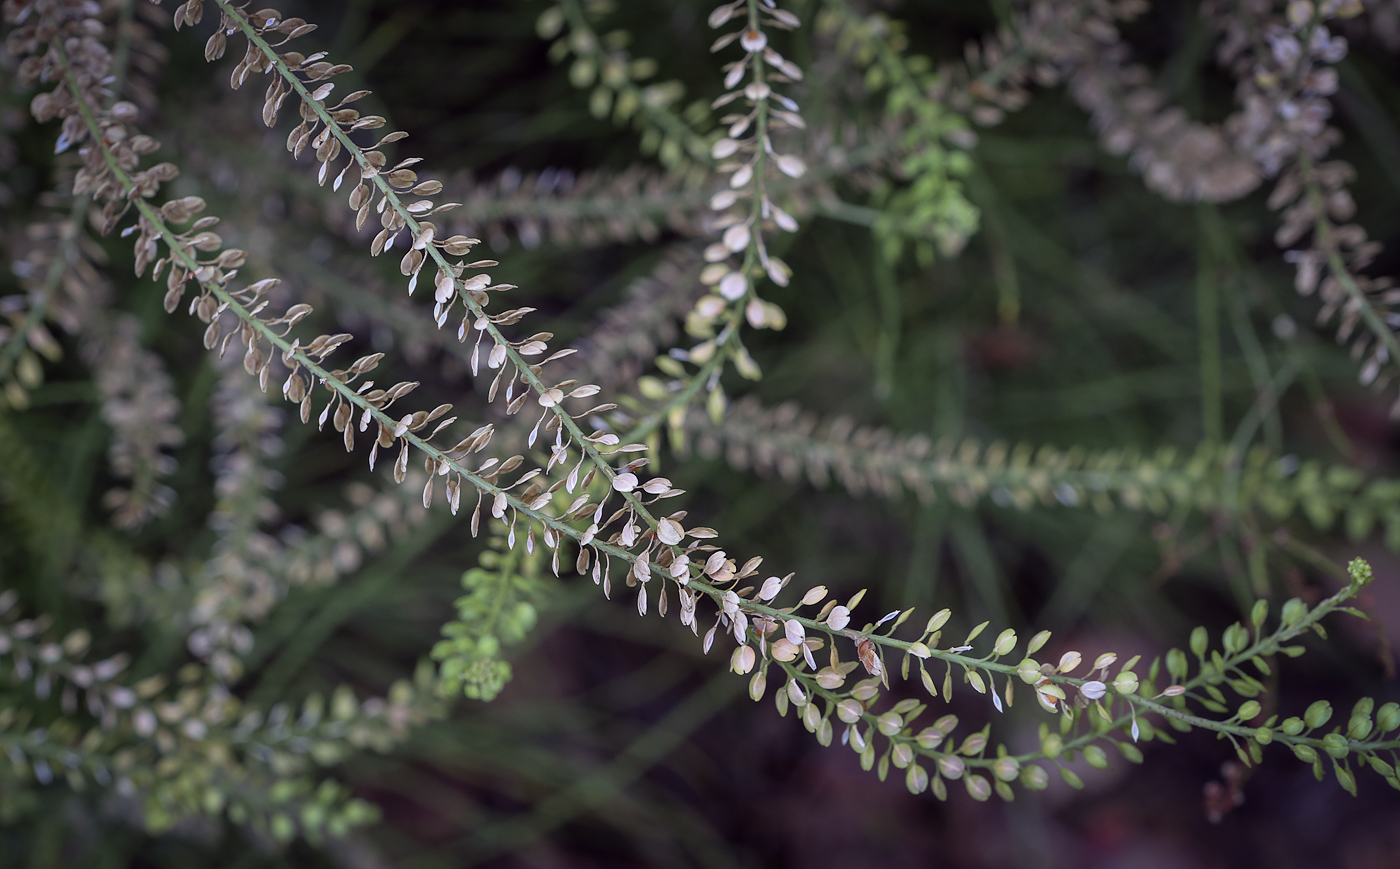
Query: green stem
[1322, 227]
[372, 174]
[1208, 318]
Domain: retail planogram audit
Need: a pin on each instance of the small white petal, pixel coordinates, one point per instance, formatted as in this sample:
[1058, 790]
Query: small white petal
[794, 631]
[723, 199]
[724, 148]
[785, 221]
[668, 531]
[736, 237]
[733, 286]
[753, 40]
[625, 482]
[791, 165]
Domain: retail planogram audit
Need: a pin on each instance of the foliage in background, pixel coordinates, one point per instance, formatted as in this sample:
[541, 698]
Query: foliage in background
[1104, 478]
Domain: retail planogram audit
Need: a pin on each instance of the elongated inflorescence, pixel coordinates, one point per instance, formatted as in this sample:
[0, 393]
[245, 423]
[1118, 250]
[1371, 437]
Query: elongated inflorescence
[574, 488]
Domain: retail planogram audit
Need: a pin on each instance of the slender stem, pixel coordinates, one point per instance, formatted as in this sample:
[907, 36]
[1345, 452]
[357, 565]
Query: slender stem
[372, 174]
[1208, 318]
[1327, 243]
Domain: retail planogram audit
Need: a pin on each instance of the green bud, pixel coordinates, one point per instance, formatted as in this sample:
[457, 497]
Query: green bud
[902, 755]
[928, 738]
[1318, 714]
[1176, 664]
[1131, 752]
[866, 690]
[1199, 640]
[1263, 735]
[1259, 613]
[951, 767]
[1388, 718]
[1006, 769]
[1293, 612]
[550, 22]
[282, 791]
[1006, 641]
[978, 788]
[1029, 671]
[1248, 710]
[1345, 778]
[916, 779]
[1095, 757]
[600, 102]
[581, 74]
[973, 745]
[1037, 641]
[1292, 726]
[488, 646]
[283, 828]
[1235, 639]
[1071, 779]
[1305, 753]
[1360, 571]
[905, 706]
[1335, 744]
[937, 621]
[1359, 726]
[1034, 778]
[313, 817]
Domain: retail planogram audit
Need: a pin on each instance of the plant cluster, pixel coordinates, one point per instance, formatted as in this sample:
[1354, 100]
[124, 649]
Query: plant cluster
[552, 453]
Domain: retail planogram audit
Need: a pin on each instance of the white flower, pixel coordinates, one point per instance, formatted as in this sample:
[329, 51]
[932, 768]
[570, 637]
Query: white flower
[794, 631]
[742, 660]
[1093, 690]
[785, 221]
[724, 148]
[733, 286]
[753, 40]
[723, 199]
[791, 166]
